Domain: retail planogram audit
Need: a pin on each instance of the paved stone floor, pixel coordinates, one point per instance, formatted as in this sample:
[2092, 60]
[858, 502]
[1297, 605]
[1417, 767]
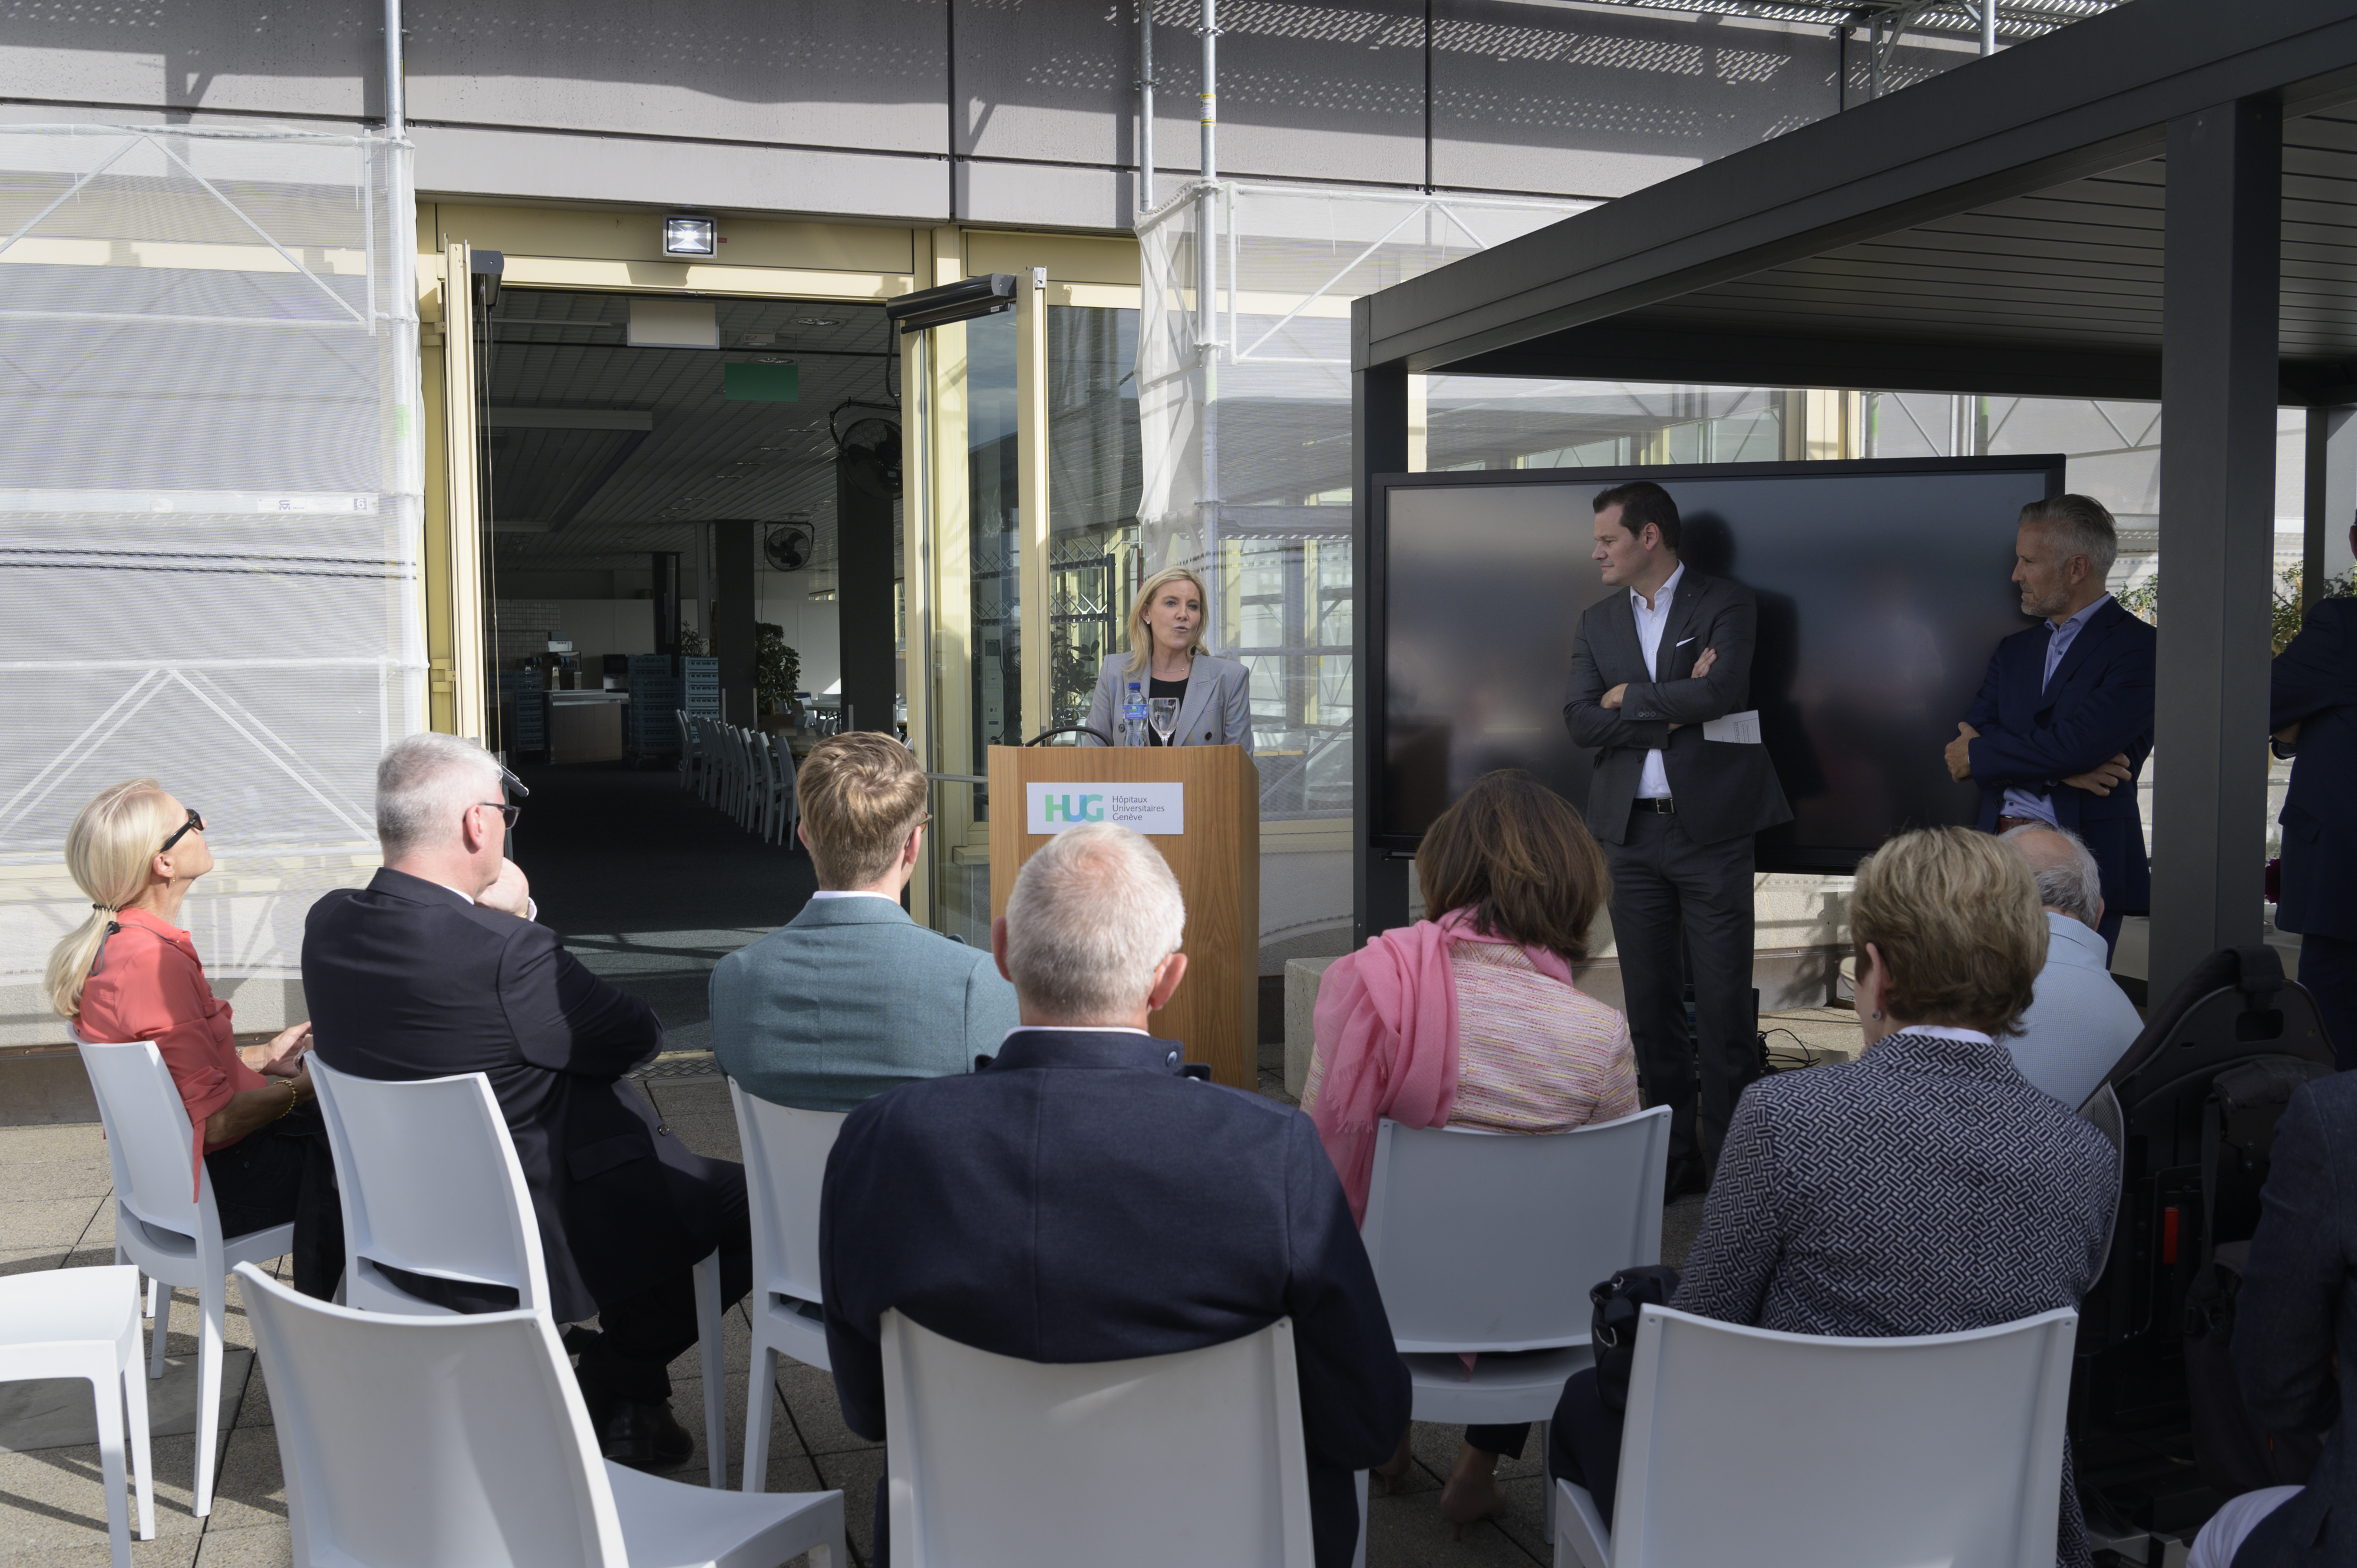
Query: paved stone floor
[57, 1213]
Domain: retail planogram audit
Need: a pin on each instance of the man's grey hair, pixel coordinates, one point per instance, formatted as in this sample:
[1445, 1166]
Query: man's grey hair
[1093, 913]
[2082, 525]
[424, 785]
[2068, 879]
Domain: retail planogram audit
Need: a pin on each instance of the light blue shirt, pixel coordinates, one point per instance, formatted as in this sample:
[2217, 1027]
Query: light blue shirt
[2021, 802]
[2079, 1022]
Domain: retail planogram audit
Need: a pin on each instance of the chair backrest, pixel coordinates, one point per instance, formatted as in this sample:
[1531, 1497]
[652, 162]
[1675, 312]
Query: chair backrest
[430, 1184]
[1491, 1242]
[1841, 1452]
[150, 1145]
[785, 1152]
[1179, 1460]
[410, 1440]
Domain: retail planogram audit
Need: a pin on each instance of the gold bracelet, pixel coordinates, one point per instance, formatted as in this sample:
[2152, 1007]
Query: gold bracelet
[294, 1098]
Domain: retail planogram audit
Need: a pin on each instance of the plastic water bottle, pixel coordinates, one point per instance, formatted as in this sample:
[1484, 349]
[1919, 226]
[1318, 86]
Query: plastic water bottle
[1133, 716]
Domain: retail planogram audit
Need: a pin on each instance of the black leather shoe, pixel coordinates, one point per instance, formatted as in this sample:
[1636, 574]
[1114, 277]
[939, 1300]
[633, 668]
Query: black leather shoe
[643, 1436]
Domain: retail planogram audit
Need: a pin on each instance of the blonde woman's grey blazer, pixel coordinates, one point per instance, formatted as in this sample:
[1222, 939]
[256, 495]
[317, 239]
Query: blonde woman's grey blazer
[1216, 711]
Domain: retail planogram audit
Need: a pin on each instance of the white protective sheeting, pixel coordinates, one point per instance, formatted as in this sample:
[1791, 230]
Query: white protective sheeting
[210, 493]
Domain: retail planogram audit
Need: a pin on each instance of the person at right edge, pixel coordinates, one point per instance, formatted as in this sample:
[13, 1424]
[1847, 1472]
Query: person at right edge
[1675, 810]
[2313, 716]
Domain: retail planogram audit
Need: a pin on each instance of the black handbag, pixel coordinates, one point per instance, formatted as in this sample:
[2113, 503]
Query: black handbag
[1613, 1327]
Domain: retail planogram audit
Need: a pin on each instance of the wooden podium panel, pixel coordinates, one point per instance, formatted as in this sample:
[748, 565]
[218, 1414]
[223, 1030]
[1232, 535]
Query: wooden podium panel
[1216, 1010]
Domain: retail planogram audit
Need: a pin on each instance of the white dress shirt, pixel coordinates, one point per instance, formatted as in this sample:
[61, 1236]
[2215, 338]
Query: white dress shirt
[2080, 1023]
[892, 898]
[1654, 783]
[2020, 803]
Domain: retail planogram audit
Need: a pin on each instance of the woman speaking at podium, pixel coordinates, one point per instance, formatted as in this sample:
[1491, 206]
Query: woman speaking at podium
[1166, 690]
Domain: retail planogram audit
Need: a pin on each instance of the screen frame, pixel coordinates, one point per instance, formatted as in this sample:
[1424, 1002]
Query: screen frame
[1372, 695]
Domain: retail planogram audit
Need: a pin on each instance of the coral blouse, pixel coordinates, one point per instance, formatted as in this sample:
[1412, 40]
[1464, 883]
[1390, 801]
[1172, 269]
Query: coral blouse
[150, 987]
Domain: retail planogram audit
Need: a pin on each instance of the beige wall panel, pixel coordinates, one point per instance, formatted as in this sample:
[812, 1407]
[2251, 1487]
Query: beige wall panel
[1069, 258]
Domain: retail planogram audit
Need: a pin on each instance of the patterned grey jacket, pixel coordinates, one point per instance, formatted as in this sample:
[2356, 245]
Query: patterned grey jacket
[1925, 1188]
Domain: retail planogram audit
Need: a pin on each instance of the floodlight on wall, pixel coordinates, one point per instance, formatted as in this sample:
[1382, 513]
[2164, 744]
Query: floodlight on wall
[689, 236]
[986, 295]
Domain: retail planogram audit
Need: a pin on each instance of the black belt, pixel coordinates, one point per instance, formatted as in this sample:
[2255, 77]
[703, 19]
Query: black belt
[1668, 807]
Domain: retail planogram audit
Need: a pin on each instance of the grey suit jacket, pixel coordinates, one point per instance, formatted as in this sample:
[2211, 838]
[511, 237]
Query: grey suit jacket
[2299, 1306]
[2080, 1023]
[1216, 711]
[1723, 790]
[850, 998]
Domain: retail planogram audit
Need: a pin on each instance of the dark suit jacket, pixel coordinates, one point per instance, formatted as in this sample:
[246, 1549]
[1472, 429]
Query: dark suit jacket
[1723, 790]
[2315, 684]
[2098, 705]
[1078, 1200]
[2298, 1307]
[408, 980]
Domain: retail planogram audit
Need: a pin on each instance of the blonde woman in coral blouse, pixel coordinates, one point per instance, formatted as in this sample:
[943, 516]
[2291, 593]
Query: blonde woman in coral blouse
[130, 973]
[1471, 1019]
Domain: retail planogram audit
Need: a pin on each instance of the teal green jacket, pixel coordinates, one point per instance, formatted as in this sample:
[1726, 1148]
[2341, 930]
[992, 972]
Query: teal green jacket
[849, 999]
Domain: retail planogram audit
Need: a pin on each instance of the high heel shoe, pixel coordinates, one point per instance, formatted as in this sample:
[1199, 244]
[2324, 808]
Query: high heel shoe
[1394, 1470]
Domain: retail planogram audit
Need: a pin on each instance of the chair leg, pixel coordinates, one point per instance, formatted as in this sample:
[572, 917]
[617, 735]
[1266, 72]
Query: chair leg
[159, 1307]
[1544, 1427]
[1358, 1557]
[110, 1464]
[715, 1393]
[212, 1306]
[760, 1386]
[133, 1392]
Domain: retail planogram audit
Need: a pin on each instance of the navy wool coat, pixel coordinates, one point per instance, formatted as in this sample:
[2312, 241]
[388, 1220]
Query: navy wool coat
[2315, 686]
[1080, 1200]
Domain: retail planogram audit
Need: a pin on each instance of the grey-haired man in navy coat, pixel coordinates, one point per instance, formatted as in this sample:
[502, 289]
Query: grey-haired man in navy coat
[1082, 1200]
[2313, 716]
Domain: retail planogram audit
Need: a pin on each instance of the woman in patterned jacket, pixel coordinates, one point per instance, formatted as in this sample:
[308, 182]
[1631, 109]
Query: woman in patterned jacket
[1471, 1019]
[1927, 1187]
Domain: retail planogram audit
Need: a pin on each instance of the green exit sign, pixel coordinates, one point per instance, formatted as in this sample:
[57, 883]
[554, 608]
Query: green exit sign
[762, 383]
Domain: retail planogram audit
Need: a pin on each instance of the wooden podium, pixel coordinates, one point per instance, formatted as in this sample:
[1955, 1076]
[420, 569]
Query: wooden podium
[1216, 1010]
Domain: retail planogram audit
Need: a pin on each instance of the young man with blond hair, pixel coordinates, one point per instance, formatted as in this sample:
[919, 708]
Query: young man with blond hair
[852, 996]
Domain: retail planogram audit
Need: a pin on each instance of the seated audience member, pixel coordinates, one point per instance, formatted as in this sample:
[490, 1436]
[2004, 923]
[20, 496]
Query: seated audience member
[852, 996]
[1927, 1187]
[2293, 1317]
[2079, 1023]
[1471, 1019]
[1080, 1199]
[130, 973]
[437, 968]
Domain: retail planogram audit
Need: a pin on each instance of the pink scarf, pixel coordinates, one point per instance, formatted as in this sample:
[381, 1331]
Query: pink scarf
[1385, 1024]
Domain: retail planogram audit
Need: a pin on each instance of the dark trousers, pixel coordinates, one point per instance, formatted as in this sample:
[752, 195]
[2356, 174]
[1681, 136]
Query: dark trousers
[1584, 1444]
[283, 1171]
[2327, 968]
[1665, 885]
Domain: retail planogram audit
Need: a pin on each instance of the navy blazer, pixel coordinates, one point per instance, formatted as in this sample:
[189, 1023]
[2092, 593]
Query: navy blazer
[2098, 705]
[2298, 1307]
[408, 980]
[2315, 685]
[1080, 1200]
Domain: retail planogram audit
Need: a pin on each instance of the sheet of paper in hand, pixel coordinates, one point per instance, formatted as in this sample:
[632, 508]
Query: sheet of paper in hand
[1742, 728]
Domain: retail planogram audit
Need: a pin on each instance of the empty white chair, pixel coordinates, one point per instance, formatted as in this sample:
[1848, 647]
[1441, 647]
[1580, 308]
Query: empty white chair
[1744, 1444]
[778, 806]
[462, 1214]
[1166, 1460]
[761, 775]
[691, 759]
[84, 1324]
[463, 1440]
[173, 1235]
[1489, 1243]
[785, 1155]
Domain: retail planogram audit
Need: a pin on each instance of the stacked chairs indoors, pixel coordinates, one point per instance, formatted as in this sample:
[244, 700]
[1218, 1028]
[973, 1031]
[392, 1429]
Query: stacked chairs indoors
[746, 773]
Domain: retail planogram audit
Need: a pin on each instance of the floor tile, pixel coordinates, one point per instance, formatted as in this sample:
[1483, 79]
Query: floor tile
[30, 1259]
[57, 1222]
[810, 1395]
[856, 1475]
[261, 1547]
[57, 1413]
[250, 1490]
[55, 1498]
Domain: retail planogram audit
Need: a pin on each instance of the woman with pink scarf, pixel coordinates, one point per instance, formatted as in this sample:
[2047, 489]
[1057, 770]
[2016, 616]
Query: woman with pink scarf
[1471, 1019]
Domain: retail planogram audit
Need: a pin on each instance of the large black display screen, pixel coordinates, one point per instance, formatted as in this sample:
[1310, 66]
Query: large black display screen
[1883, 589]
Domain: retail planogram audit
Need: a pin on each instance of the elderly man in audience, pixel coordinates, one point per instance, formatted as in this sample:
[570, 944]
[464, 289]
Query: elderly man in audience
[1927, 1187]
[2080, 1023]
[1081, 1200]
[851, 996]
[438, 967]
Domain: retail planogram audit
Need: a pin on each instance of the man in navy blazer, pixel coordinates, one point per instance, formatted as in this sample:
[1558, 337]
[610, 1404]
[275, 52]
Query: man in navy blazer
[1081, 1198]
[2061, 730]
[436, 968]
[2313, 715]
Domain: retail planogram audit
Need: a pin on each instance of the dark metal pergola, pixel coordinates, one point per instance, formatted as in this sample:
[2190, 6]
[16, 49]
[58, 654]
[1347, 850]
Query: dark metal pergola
[2156, 202]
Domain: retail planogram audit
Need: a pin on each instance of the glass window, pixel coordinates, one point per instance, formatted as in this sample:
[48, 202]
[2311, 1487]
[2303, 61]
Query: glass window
[1093, 560]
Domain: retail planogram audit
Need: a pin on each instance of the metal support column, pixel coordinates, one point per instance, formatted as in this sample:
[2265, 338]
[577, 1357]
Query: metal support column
[1379, 423]
[2332, 499]
[1988, 26]
[1144, 106]
[2217, 484]
[734, 581]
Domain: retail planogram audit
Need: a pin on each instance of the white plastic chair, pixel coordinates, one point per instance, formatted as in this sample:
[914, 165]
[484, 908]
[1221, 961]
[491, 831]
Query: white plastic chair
[691, 758]
[760, 774]
[176, 1238]
[785, 1152]
[779, 808]
[84, 1324]
[464, 1213]
[1163, 1462]
[1941, 1448]
[409, 1441]
[1489, 1244]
